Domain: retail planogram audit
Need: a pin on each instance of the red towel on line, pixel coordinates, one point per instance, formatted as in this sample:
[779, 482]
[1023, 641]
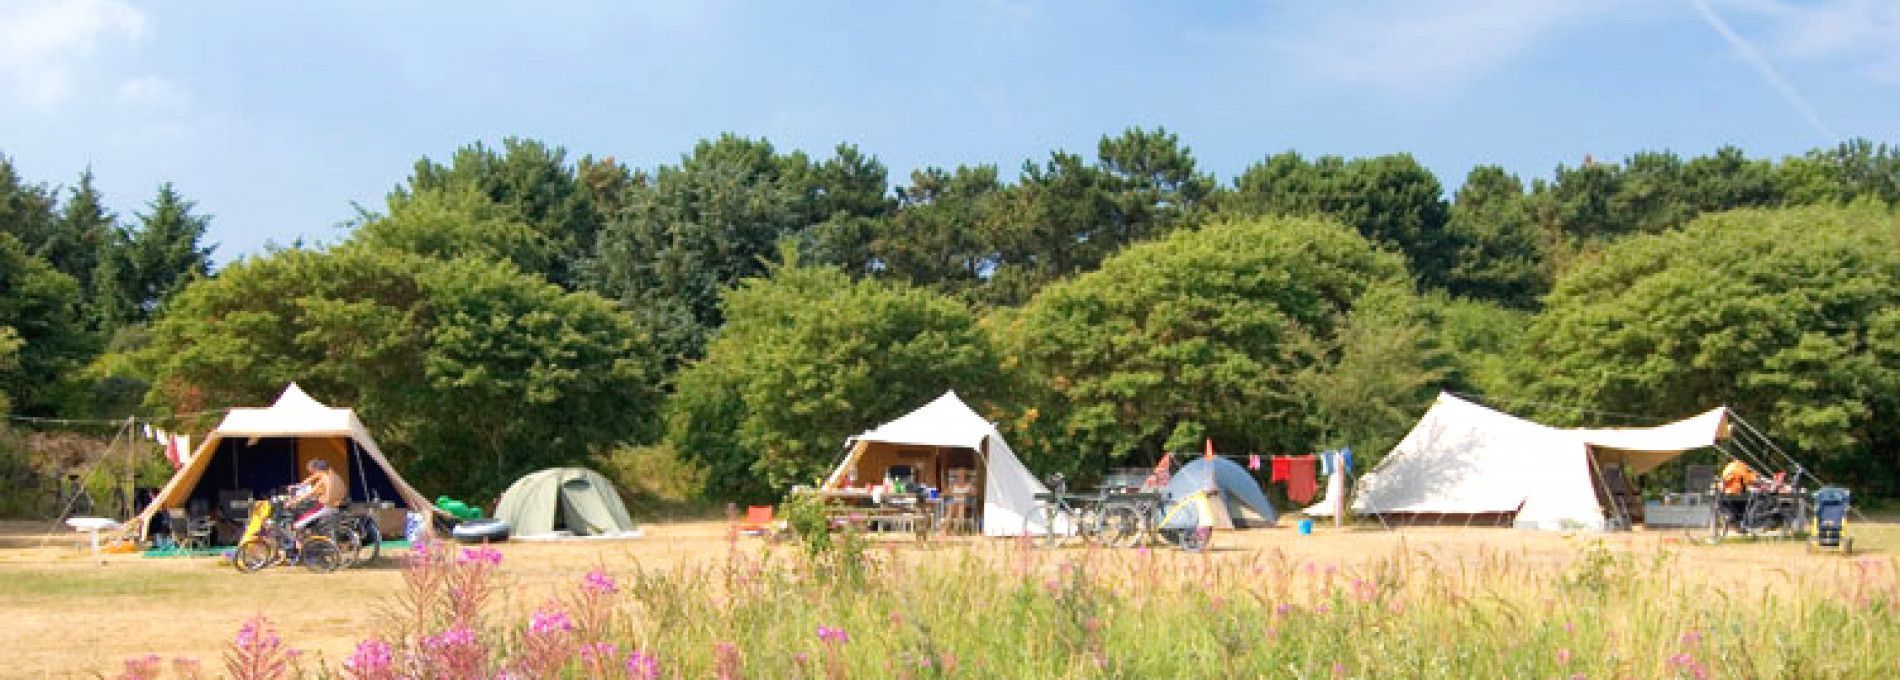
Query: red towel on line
[1300, 478]
[1278, 474]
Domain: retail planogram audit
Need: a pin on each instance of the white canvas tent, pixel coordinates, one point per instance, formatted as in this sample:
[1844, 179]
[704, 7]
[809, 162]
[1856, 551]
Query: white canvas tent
[943, 427]
[1464, 459]
[254, 449]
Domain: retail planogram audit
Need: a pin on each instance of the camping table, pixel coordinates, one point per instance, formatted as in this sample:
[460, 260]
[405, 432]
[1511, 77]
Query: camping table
[93, 525]
[862, 507]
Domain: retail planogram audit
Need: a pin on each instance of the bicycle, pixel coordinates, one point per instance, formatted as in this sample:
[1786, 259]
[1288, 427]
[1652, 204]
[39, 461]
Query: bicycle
[1761, 512]
[358, 537]
[1056, 504]
[270, 539]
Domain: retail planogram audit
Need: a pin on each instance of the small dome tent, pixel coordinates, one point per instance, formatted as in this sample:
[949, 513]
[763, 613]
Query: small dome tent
[578, 501]
[1234, 487]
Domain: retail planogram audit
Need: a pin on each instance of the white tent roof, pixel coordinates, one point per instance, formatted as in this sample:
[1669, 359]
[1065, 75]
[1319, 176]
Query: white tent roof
[295, 413]
[1463, 458]
[1009, 504]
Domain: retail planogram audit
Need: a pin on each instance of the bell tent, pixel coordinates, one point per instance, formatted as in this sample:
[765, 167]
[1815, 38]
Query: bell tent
[1466, 461]
[940, 437]
[578, 501]
[256, 450]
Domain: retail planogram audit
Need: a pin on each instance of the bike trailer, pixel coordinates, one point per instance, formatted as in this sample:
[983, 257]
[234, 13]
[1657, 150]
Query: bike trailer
[1829, 528]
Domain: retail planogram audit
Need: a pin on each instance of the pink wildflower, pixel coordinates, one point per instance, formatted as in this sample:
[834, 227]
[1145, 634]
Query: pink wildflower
[546, 621]
[833, 635]
[479, 556]
[599, 652]
[599, 583]
[1691, 638]
[1563, 656]
[142, 668]
[1339, 669]
[642, 666]
[1282, 609]
[372, 659]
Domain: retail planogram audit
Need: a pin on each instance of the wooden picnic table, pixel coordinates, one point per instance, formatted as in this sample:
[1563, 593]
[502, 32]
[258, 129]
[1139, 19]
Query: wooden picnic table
[860, 507]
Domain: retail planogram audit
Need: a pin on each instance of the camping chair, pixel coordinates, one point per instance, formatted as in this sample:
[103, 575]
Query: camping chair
[758, 520]
[189, 532]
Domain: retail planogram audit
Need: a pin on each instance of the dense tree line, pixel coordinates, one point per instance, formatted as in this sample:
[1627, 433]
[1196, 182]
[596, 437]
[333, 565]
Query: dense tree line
[741, 310]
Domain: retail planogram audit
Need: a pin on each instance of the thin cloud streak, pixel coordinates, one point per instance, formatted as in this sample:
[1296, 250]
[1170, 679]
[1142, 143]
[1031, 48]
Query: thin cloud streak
[1767, 70]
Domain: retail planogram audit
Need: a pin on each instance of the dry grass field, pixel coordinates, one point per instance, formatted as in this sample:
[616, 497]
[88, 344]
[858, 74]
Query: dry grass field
[67, 615]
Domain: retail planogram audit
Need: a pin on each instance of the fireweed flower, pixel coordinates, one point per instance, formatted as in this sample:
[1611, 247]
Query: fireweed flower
[548, 621]
[453, 637]
[1563, 656]
[642, 666]
[599, 583]
[372, 657]
[479, 556]
[833, 635]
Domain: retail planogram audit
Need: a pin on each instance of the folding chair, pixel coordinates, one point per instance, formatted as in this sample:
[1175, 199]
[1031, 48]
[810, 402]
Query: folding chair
[758, 520]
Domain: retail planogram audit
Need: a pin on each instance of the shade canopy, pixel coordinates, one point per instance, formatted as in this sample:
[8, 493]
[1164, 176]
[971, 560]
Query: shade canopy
[1465, 459]
[1009, 503]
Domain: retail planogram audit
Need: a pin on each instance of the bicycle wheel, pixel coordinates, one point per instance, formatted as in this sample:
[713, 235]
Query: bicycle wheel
[320, 554]
[1118, 526]
[349, 544]
[372, 537]
[1718, 524]
[253, 555]
[1053, 536]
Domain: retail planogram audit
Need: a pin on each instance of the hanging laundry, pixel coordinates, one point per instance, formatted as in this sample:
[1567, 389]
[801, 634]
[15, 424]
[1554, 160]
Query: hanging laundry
[1253, 461]
[148, 432]
[171, 454]
[1210, 449]
[1300, 483]
[1160, 476]
[1345, 460]
[1278, 474]
[1326, 462]
[184, 448]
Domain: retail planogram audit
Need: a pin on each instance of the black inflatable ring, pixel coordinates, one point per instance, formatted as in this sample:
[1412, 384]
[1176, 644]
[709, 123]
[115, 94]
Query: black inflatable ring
[481, 531]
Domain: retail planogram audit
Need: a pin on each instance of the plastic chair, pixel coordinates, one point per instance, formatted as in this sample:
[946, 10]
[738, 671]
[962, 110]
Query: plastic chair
[758, 520]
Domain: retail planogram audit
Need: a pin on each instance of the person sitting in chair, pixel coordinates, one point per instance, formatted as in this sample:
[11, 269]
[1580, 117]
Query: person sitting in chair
[1736, 478]
[326, 487]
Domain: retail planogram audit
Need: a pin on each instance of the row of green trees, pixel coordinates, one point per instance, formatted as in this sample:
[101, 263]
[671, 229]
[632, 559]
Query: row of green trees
[741, 311]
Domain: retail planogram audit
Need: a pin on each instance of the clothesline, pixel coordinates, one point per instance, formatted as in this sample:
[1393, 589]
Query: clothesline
[144, 420]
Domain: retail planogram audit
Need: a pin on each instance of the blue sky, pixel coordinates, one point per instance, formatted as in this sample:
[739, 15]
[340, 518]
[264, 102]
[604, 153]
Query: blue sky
[276, 116]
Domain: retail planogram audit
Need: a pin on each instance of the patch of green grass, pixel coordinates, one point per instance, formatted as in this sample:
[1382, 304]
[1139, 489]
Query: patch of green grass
[110, 581]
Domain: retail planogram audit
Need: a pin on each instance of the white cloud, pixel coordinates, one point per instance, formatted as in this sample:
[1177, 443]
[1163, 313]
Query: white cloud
[1863, 35]
[1430, 45]
[153, 93]
[46, 44]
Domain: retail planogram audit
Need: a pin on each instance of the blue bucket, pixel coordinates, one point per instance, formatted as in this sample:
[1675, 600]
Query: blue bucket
[1306, 527]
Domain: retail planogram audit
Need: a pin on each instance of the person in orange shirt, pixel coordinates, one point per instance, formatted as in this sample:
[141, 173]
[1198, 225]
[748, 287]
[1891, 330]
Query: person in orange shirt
[1736, 478]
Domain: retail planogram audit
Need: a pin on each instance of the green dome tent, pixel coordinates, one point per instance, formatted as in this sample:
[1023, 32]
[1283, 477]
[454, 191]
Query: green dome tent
[564, 501]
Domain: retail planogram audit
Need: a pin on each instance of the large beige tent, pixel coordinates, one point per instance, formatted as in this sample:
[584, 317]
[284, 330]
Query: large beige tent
[1463, 459]
[256, 450]
[576, 500]
[940, 436]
